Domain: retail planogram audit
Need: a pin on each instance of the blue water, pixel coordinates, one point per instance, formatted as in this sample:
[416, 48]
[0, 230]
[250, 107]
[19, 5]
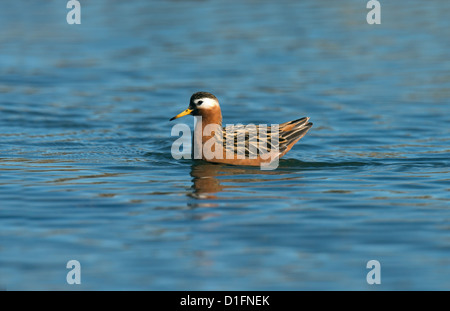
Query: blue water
[86, 171]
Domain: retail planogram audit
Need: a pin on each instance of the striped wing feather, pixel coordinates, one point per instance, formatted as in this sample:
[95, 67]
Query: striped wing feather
[241, 139]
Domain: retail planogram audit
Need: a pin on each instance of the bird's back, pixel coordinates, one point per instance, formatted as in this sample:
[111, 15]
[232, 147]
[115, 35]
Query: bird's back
[252, 140]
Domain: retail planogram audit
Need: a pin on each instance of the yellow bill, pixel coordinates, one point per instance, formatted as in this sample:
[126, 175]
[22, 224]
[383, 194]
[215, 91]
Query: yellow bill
[184, 113]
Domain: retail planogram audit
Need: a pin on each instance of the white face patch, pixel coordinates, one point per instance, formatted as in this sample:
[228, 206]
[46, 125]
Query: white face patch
[207, 103]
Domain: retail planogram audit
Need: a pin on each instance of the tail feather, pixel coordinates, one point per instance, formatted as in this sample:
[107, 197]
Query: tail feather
[293, 131]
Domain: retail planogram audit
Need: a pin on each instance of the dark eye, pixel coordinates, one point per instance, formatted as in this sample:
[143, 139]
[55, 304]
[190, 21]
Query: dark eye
[200, 102]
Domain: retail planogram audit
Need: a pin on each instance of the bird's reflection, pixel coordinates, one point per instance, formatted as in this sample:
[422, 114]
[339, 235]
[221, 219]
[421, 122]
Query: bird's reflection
[206, 183]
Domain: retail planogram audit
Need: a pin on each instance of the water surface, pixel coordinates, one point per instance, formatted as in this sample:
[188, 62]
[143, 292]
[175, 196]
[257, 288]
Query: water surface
[86, 171]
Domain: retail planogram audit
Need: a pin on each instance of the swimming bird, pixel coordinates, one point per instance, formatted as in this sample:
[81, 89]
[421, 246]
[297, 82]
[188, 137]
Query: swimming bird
[251, 145]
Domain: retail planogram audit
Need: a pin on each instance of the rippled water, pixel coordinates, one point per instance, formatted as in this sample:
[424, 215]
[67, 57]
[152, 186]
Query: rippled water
[87, 174]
